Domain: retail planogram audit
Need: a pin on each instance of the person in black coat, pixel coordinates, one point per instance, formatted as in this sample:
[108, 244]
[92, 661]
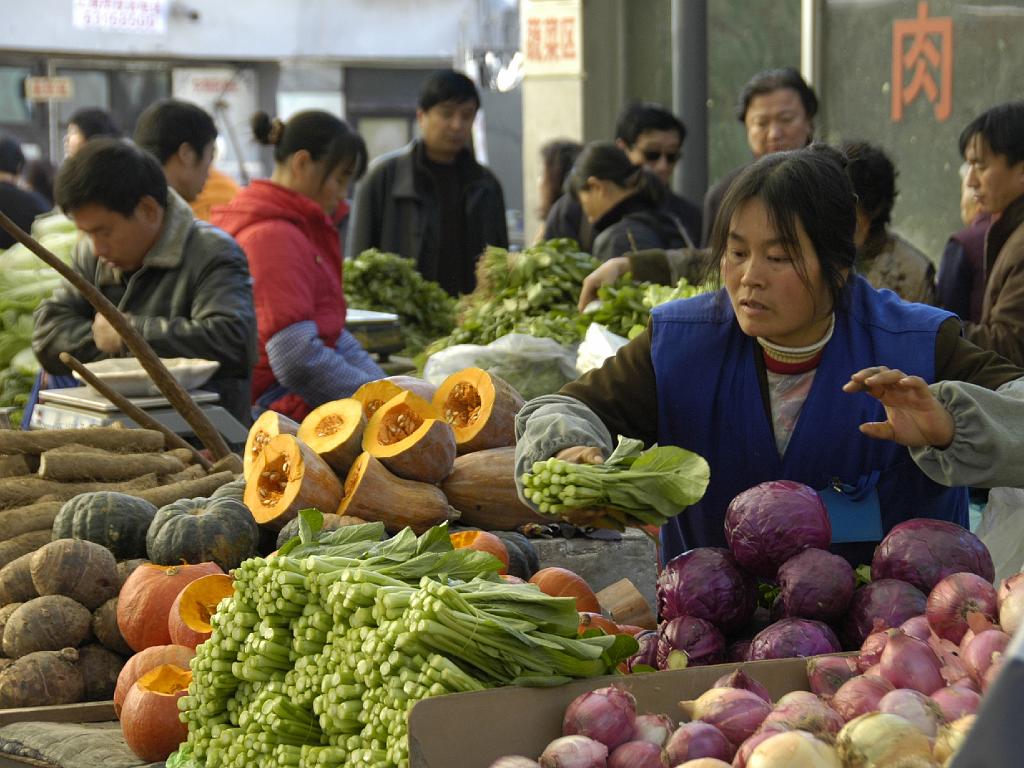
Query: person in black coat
[20, 205]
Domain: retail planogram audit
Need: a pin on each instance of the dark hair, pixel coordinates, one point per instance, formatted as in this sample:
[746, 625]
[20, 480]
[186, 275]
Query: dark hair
[111, 173]
[169, 123]
[605, 160]
[93, 121]
[11, 157]
[39, 175]
[873, 176]
[639, 117]
[447, 85]
[557, 158]
[808, 186]
[771, 80]
[1002, 127]
[328, 139]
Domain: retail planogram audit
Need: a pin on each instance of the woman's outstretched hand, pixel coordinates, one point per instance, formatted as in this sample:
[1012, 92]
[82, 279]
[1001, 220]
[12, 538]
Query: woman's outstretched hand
[914, 417]
[586, 517]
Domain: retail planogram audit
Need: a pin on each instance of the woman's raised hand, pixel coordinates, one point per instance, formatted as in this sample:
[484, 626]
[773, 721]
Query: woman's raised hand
[914, 417]
[606, 274]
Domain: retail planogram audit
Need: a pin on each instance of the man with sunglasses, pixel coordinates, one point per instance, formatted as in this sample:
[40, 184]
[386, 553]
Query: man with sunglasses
[650, 136]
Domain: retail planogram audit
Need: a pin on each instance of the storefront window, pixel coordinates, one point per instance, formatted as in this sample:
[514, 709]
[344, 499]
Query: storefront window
[14, 109]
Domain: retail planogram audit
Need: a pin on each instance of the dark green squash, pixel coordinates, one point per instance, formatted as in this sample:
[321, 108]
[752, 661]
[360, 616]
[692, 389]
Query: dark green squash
[202, 530]
[233, 490]
[114, 520]
[525, 562]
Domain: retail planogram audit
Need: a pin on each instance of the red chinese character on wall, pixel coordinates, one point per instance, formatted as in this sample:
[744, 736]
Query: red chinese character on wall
[567, 37]
[551, 47]
[921, 61]
[534, 44]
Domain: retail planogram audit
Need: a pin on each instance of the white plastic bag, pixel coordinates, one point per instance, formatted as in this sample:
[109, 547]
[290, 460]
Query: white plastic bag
[1002, 530]
[598, 345]
[534, 366]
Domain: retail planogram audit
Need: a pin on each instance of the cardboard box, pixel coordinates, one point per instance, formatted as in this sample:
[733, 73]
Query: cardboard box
[472, 730]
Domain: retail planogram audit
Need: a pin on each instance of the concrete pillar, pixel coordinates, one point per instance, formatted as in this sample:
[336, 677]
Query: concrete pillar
[690, 93]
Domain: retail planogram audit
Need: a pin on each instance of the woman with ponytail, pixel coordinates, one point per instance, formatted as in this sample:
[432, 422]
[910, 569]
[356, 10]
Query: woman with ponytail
[286, 226]
[623, 203]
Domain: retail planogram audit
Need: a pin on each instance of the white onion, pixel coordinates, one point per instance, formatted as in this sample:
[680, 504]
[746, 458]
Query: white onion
[793, 749]
[878, 739]
[951, 737]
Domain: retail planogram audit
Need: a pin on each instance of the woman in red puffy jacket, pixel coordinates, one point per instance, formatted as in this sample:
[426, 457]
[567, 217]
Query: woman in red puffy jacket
[286, 225]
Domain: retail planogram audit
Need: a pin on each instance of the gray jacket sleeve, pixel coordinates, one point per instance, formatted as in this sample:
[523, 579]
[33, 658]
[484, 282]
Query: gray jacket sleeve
[551, 423]
[988, 443]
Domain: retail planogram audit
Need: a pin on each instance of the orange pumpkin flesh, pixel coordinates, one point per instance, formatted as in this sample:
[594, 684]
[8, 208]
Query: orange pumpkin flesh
[482, 541]
[268, 425]
[143, 662]
[335, 431]
[373, 394]
[149, 717]
[146, 599]
[409, 438]
[561, 582]
[372, 493]
[289, 476]
[481, 408]
[189, 619]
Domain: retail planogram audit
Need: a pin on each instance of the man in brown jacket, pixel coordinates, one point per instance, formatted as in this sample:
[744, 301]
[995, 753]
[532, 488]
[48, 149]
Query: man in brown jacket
[993, 146]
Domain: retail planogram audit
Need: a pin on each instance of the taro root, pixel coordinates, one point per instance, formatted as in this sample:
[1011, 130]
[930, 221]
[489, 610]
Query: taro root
[81, 570]
[16, 581]
[481, 408]
[104, 627]
[46, 624]
[373, 494]
[268, 425]
[289, 476]
[409, 437]
[335, 431]
[100, 668]
[41, 679]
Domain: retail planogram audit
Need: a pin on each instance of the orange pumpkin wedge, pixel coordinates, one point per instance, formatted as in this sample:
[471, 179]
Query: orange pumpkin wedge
[408, 436]
[268, 425]
[373, 394]
[481, 408]
[335, 431]
[289, 476]
[189, 619]
[482, 541]
[374, 494]
[149, 717]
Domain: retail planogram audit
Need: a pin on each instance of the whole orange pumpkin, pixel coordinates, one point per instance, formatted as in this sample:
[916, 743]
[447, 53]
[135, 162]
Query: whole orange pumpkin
[482, 541]
[561, 582]
[149, 717]
[146, 599]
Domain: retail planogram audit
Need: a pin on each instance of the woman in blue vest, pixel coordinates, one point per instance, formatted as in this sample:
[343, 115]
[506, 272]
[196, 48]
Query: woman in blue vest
[796, 368]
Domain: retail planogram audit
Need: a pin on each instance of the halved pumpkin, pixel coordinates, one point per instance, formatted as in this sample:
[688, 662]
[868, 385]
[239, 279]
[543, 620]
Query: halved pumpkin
[189, 619]
[288, 476]
[335, 431]
[374, 394]
[149, 717]
[481, 408]
[268, 425]
[408, 436]
[374, 494]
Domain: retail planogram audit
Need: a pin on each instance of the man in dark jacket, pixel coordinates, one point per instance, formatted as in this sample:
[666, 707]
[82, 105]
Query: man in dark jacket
[650, 136]
[431, 201]
[20, 205]
[183, 284]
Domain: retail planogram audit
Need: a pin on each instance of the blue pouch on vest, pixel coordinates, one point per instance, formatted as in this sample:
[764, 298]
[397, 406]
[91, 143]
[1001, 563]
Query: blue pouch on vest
[853, 510]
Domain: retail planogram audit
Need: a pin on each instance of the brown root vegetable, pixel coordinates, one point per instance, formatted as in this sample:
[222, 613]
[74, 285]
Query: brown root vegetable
[115, 439]
[100, 668]
[42, 678]
[13, 466]
[5, 613]
[21, 491]
[186, 489]
[125, 568]
[104, 627]
[81, 570]
[34, 517]
[16, 581]
[191, 472]
[104, 467]
[231, 463]
[46, 623]
[22, 544]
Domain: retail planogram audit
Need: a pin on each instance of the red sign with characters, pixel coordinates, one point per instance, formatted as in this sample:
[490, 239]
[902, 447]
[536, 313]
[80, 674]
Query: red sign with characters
[922, 63]
[551, 37]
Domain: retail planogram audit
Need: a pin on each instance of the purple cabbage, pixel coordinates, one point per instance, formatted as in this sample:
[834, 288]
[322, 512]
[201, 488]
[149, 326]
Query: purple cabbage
[923, 552]
[738, 651]
[880, 605]
[790, 638]
[707, 583]
[816, 584]
[769, 523]
[648, 653]
[687, 641]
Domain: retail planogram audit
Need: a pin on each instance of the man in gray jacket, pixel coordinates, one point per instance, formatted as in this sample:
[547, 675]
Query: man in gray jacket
[183, 284]
[431, 201]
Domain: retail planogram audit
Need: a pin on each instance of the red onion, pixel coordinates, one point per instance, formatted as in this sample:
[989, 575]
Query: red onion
[954, 598]
[1008, 585]
[636, 754]
[860, 695]
[983, 649]
[874, 671]
[697, 739]
[739, 650]
[953, 668]
[748, 746]
[704, 762]
[914, 707]
[606, 715]
[956, 701]
[653, 728]
[917, 626]
[803, 711]
[827, 673]
[1011, 610]
[574, 752]
[514, 761]
[736, 713]
[871, 650]
[910, 663]
[739, 679]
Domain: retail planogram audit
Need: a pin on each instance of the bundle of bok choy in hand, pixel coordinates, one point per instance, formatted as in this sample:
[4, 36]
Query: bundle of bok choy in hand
[632, 487]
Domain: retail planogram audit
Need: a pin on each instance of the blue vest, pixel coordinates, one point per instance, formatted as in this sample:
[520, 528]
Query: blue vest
[709, 402]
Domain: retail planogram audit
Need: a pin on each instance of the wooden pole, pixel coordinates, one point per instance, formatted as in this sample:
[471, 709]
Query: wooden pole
[129, 409]
[167, 384]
